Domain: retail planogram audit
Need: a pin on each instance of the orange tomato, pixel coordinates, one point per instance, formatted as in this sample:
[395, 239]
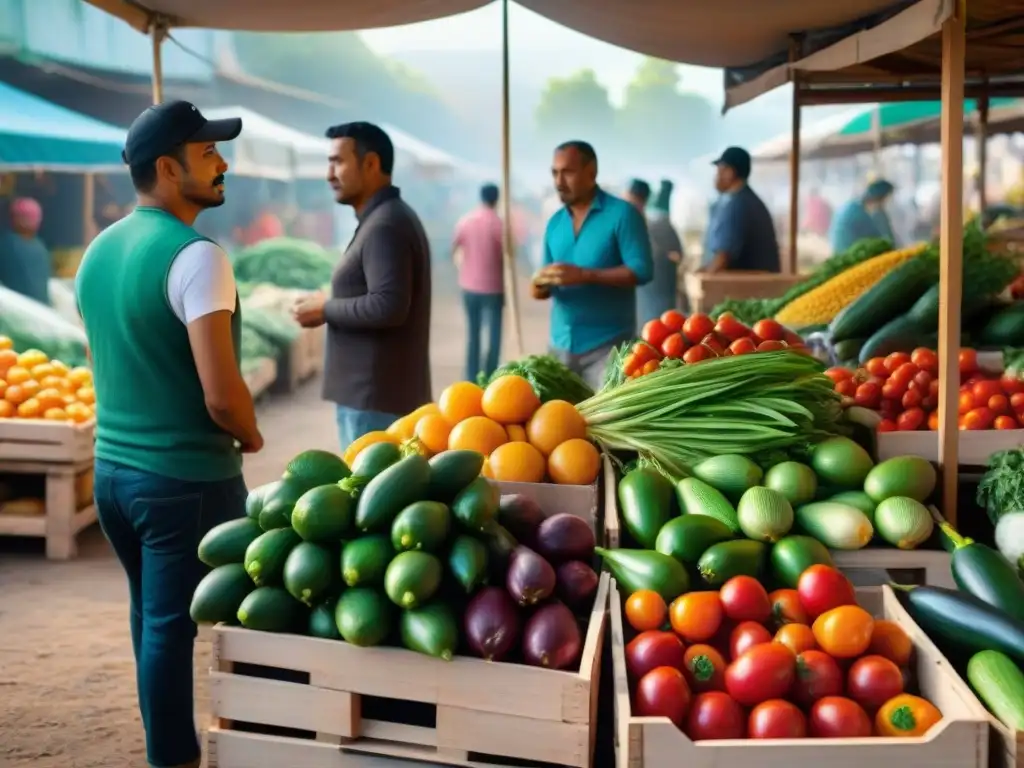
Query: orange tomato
[906, 716]
[646, 609]
[890, 641]
[844, 632]
[743, 346]
[933, 420]
[631, 364]
[696, 616]
[704, 668]
[797, 637]
[786, 607]
[15, 395]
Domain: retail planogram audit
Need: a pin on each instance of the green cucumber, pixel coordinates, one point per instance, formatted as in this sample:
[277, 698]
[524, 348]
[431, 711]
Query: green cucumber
[315, 467]
[730, 474]
[1000, 684]
[364, 616]
[687, 537]
[476, 505]
[467, 562]
[885, 300]
[451, 471]
[321, 620]
[698, 498]
[837, 526]
[270, 609]
[227, 542]
[278, 501]
[764, 514]
[983, 572]
[431, 629]
[1005, 328]
[219, 594]
[258, 497]
[726, 559]
[422, 525]
[645, 503]
[390, 492]
[365, 560]
[412, 578]
[266, 556]
[323, 514]
[369, 463]
[848, 349]
[898, 335]
[793, 555]
[309, 572]
[636, 569]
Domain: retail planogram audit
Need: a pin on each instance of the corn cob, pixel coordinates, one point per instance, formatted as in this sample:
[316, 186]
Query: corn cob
[822, 304]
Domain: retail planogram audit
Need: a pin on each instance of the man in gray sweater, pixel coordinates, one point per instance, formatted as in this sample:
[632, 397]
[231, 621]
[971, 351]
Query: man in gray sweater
[378, 315]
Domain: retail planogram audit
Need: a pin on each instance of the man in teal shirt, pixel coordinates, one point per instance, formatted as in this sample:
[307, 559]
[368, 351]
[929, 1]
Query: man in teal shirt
[24, 261]
[864, 217]
[596, 252]
[173, 412]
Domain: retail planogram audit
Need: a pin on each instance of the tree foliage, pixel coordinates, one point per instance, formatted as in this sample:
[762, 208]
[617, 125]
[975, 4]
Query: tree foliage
[575, 107]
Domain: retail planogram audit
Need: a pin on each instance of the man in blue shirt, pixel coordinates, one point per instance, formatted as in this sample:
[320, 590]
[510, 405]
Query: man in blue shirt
[741, 233]
[596, 252]
[864, 217]
[24, 261]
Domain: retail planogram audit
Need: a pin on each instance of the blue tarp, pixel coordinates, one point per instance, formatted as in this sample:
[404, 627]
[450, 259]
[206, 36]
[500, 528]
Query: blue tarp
[38, 135]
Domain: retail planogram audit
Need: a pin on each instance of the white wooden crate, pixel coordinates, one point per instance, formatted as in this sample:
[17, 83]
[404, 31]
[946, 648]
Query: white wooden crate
[975, 446]
[49, 441]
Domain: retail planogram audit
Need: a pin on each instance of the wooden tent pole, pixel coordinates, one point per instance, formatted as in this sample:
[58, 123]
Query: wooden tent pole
[981, 147]
[789, 266]
[157, 33]
[511, 289]
[951, 242]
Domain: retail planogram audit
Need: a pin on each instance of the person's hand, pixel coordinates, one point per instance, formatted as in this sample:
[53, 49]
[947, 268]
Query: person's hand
[254, 445]
[562, 274]
[309, 310]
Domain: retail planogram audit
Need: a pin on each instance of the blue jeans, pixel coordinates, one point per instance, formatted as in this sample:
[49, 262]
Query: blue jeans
[353, 423]
[154, 524]
[482, 308]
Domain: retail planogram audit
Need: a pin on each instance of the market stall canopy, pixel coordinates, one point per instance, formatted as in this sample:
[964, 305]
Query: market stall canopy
[36, 135]
[267, 149]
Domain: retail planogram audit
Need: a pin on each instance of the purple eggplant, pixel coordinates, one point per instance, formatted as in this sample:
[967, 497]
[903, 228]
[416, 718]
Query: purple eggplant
[521, 516]
[491, 624]
[530, 577]
[552, 638]
[576, 584]
[564, 537]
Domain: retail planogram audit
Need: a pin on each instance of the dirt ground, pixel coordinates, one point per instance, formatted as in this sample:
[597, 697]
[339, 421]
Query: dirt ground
[67, 686]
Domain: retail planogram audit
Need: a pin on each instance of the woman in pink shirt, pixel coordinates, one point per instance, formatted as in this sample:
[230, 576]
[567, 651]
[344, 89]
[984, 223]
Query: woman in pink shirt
[478, 257]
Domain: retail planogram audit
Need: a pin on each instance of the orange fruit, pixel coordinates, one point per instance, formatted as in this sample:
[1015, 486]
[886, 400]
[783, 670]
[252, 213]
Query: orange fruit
[51, 382]
[485, 470]
[30, 409]
[645, 609]
[30, 358]
[6, 343]
[477, 433]
[510, 400]
[15, 395]
[59, 367]
[80, 376]
[55, 414]
[78, 412]
[432, 430]
[69, 399]
[66, 386]
[17, 374]
[3, 388]
[86, 395]
[6, 409]
[41, 371]
[517, 463]
[50, 398]
[516, 433]
[31, 387]
[8, 357]
[554, 423]
[574, 462]
[460, 401]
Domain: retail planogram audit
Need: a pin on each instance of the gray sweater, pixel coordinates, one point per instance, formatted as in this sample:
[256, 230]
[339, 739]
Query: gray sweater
[378, 316]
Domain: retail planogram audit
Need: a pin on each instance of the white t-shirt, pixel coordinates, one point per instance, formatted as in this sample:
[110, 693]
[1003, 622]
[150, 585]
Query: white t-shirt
[200, 281]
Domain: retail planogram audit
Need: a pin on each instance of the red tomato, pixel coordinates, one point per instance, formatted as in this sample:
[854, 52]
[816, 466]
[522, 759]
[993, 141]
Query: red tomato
[876, 367]
[894, 388]
[654, 648]
[766, 671]
[907, 371]
[999, 404]
[1017, 401]
[1004, 422]
[912, 398]
[925, 359]
[673, 320]
[872, 681]
[730, 327]
[887, 425]
[744, 599]
[673, 346]
[771, 346]
[714, 342]
[715, 715]
[644, 352]
[933, 388]
[965, 403]
[697, 326]
[654, 332]
[745, 636]
[776, 719]
[663, 692]
[838, 373]
[923, 381]
[910, 419]
[817, 675]
[786, 608]
[895, 360]
[978, 418]
[930, 403]
[986, 389]
[697, 353]
[890, 409]
[769, 330]
[968, 361]
[1011, 385]
[650, 366]
[743, 346]
[822, 588]
[836, 717]
[868, 395]
[846, 387]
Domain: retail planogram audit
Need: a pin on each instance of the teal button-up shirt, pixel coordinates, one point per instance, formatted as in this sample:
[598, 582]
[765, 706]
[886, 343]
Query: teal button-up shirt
[586, 317]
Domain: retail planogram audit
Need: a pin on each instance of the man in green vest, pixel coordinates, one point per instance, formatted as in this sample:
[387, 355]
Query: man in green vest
[173, 414]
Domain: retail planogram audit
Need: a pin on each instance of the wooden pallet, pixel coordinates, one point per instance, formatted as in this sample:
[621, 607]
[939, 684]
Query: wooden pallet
[960, 741]
[64, 518]
[334, 705]
[49, 441]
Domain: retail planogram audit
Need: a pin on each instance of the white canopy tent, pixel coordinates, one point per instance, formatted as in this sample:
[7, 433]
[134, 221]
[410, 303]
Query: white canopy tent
[270, 150]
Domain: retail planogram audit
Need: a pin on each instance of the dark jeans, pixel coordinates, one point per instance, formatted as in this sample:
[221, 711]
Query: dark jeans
[480, 308]
[154, 524]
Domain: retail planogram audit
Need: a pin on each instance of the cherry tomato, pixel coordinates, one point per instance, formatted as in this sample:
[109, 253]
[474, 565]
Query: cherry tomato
[907, 371]
[906, 715]
[1005, 422]
[673, 320]
[1011, 384]
[673, 346]
[912, 398]
[776, 719]
[645, 609]
[890, 409]
[894, 388]
[930, 403]
[890, 641]
[715, 715]
[822, 588]
[868, 395]
[886, 425]
[846, 387]
[696, 616]
[743, 346]
[745, 636]
[844, 632]
[714, 342]
[895, 360]
[744, 599]
[986, 389]
[769, 330]
[786, 608]
[999, 404]
[968, 362]
[652, 649]
[631, 365]
[836, 717]
[697, 353]
[797, 637]
[923, 381]
[650, 367]
[791, 337]
[663, 692]
[1017, 401]
[771, 345]
[764, 672]
[965, 403]
[925, 359]
[731, 328]
[654, 332]
[876, 367]
[644, 352]
[838, 373]
[933, 420]
[910, 419]
[933, 388]
[697, 326]
[817, 675]
[872, 681]
[705, 668]
[978, 418]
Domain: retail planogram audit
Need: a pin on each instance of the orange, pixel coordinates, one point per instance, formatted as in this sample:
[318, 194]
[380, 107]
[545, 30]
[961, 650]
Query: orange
[69, 399]
[86, 395]
[485, 470]
[516, 433]
[574, 462]
[59, 367]
[66, 386]
[553, 423]
[8, 357]
[80, 376]
[51, 382]
[477, 433]
[3, 388]
[30, 409]
[15, 395]
[6, 409]
[510, 400]
[17, 374]
[432, 430]
[78, 412]
[31, 387]
[50, 398]
[517, 463]
[32, 357]
[55, 414]
[41, 371]
[460, 401]
[6, 343]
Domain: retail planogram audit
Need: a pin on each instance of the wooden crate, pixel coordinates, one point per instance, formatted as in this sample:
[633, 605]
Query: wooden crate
[975, 446]
[960, 741]
[706, 290]
[46, 441]
[262, 377]
[329, 712]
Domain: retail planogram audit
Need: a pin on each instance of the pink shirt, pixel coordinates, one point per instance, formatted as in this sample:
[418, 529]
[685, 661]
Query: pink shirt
[478, 234]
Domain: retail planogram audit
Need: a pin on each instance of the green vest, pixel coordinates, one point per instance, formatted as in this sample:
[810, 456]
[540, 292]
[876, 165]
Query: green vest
[150, 408]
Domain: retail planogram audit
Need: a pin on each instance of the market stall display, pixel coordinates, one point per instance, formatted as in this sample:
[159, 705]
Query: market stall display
[31, 325]
[270, 331]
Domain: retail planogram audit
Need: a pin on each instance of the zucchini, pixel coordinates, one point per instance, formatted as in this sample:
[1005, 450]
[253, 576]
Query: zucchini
[898, 335]
[1000, 684]
[837, 526]
[960, 621]
[1005, 328]
[983, 572]
[699, 498]
[848, 349]
[884, 301]
[390, 492]
[646, 504]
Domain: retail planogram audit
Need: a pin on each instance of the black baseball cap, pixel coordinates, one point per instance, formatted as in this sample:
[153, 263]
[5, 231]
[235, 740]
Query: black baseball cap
[736, 158]
[162, 127]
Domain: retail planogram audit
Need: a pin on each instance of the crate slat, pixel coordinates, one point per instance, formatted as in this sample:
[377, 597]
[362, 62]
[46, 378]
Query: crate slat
[62, 520]
[974, 451]
[46, 441]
